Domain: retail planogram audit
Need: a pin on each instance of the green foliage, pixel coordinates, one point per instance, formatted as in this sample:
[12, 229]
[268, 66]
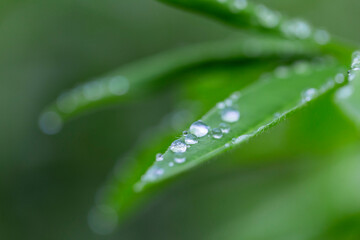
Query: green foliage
[260, 80]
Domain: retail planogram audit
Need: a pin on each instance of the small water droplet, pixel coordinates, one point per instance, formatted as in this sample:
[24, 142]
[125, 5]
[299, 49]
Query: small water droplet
[238, 5]
[277, 115]
[185, 133]
[118, 85]
[227, 145]
[322, 37]
[228, 102]
[282, 72]
[171, 164]
[301, 67]
[224, 128]
[339, 78]
[235, 96]
[191, 139]
[67, 102]
[267, 17]
[217, 133]
[159, 172]
[220, 105]
[178, 147]
[180, 159]
[240, 139]
[309, 94]
[199, 129]
[351, 75]
[50, 123]
[93, 90]
[345, 92]
[296, 28]
[159, 157]
[230, 115]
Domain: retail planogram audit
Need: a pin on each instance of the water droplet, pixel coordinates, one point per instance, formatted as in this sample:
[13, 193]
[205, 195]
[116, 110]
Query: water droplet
[220, 105]
[191, 139]
[50, 123]
[235, 95]
[345, 92]
[67, 102]
[118, 85]
[267, 17]
[159, 172]
[185, 133]
[230, 115]
[309, 94]
[282, 72]
[224, 128]
[217, 133]
[339, 78]
[322, 37]
[240, 139]
[351, 75]
[171, 164]
[356, 55]
[178, 147]
[301, 67]
[199, 129]
[238, 5]
[93, 90]
[227, 145]
[180, 159]
[228, 102]
[296, 28]
[159, 157]
[277, 115]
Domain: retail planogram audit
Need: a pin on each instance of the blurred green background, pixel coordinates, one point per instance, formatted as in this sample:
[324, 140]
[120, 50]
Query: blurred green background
[48, 183]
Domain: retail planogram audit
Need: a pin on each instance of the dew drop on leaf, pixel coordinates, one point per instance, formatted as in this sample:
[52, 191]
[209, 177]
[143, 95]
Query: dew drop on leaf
[230, 115]
[159, 157]
[224, 128]
[178, 147]
[191, 139]
[217, 133]
[199, 129]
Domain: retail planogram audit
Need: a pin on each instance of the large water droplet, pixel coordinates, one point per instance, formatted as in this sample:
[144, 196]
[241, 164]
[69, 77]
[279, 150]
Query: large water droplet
[191, 139]
[230, 115]
[50, 122]
[178, 147]
[199, 129]
[217, 133]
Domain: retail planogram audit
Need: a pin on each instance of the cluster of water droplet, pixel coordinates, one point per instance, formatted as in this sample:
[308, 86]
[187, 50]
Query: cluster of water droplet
[348, 90]
[267, 18]
[51, 122]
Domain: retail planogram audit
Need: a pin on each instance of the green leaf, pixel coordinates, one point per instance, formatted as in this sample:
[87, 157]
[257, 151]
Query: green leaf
[260, 105]
[249, 15]
[348, 97]
[144, 77]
